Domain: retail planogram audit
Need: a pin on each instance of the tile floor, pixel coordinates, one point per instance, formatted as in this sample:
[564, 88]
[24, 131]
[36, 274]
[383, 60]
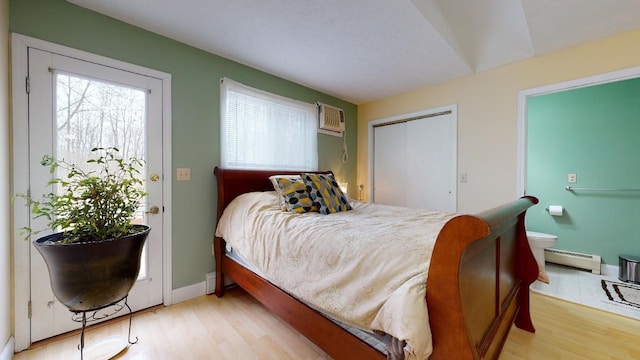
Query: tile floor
[581, 287]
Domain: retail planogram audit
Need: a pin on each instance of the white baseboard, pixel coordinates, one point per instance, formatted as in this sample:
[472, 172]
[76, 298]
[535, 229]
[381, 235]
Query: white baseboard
[8, 350]
[188, 292]
[193, 291]
[610, 270]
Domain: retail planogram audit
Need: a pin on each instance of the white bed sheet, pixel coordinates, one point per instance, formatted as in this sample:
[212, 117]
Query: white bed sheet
[366, 267]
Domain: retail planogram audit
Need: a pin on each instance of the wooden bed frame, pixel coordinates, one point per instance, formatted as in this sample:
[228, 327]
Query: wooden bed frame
[478, 283]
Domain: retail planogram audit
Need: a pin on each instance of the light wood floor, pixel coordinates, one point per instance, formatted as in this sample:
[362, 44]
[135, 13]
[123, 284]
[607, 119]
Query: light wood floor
[237, 327]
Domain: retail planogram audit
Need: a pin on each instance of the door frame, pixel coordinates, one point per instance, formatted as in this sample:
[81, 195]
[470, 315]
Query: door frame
[523, 99]
[20, 169]
[433, 111]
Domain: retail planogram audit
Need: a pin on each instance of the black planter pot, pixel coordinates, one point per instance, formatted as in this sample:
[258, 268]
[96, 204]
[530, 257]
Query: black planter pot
[91, 275]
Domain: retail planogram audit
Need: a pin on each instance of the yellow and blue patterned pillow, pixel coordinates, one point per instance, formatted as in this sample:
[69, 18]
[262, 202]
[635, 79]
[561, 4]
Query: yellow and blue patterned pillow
[293, 193]
[325, 193]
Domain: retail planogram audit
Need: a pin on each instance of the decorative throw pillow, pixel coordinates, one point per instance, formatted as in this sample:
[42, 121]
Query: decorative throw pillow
[325, 193]
[275, 181]
[293, 193]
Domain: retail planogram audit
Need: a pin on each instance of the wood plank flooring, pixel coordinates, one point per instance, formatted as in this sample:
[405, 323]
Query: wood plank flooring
[565, 330]
[237, 327]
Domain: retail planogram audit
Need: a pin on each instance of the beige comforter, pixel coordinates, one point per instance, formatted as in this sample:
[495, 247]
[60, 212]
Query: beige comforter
[366, 267]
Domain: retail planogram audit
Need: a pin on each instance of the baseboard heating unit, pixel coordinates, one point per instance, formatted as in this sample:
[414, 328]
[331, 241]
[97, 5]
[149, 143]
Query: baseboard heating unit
[573, 259]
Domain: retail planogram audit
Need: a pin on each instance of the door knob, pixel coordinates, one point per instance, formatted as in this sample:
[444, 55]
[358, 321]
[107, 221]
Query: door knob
[153, 210]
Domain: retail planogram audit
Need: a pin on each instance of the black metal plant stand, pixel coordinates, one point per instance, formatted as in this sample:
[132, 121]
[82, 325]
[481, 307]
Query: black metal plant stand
[96, 315]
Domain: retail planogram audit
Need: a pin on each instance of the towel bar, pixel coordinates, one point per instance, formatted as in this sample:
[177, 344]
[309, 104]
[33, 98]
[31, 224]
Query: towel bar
[571, 188]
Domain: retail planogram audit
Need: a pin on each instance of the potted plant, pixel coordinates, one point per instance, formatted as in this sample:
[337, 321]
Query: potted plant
[94, 258]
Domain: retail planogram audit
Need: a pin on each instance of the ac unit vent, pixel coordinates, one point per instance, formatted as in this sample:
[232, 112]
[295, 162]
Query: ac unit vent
[330, 118]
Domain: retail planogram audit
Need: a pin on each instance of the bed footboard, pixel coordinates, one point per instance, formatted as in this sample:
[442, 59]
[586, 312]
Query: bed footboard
[478, 282]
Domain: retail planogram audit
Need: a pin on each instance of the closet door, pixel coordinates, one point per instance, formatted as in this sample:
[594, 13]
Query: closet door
[431, 161]
[415, 162]
[390, 151]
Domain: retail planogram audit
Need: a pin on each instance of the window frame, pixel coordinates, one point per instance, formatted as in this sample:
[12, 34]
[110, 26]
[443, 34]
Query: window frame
[264, 120]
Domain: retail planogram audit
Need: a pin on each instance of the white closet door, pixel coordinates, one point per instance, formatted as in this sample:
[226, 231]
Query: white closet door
[415, 163]
[431, 162]
[390, 151]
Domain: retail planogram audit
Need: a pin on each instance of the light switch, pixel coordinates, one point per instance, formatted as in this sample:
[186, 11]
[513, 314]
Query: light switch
[183, 174]
[572, 178]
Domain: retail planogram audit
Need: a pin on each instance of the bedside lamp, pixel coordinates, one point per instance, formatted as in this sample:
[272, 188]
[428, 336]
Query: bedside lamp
[343, 186]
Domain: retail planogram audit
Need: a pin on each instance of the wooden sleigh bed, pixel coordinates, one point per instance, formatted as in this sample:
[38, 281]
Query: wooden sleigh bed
[478, 282]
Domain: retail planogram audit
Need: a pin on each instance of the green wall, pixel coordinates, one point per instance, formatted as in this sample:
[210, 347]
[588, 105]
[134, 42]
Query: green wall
[591, 132]
[195, 112]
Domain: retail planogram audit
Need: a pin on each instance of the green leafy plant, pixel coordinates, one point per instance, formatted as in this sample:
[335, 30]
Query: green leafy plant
[91, 205]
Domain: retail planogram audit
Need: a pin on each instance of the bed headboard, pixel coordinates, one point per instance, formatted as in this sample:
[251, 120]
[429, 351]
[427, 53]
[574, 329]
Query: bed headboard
[232, 182]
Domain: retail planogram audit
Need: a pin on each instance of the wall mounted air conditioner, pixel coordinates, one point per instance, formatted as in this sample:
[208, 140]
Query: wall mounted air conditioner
[330, 119]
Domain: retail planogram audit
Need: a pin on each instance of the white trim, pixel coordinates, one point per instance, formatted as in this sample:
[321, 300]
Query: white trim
[19, 46]
[167, 171]
[86, 56]
[20, 171]
[8, 350]
[189, 292]
[454, 112]
[524, 95]
[198, 289]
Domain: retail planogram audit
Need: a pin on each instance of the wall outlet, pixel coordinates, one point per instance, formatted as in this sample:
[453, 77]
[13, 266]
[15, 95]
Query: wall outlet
[183, 174]
[572, 178]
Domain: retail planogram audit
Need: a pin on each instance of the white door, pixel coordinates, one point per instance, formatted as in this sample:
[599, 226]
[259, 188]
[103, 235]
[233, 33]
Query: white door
[76, 105]
[389, 152]
[414, 162]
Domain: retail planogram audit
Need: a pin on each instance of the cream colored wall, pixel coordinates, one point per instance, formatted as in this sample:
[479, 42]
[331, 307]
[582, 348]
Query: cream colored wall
[5, 233]
[487, 113]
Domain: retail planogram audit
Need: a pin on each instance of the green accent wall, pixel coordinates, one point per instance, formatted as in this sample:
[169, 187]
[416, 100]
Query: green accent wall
[195, 112]
[592, 132]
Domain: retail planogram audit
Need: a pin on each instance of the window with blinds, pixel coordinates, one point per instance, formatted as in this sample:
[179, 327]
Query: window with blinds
[260, 130]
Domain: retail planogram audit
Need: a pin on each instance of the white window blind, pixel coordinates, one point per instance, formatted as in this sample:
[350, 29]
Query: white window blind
[260, 130]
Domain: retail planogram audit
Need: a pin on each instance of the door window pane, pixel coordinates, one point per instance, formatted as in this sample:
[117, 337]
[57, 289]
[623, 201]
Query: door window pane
[92, 113]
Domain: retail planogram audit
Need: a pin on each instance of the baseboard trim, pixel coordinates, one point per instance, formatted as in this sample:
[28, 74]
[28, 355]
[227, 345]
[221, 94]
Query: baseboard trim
[193, 291]
[188, 292]
[8, 350]
[610, 270]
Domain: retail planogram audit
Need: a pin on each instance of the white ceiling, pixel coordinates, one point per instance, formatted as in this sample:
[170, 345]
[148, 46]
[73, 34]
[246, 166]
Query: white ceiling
[363, 50]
